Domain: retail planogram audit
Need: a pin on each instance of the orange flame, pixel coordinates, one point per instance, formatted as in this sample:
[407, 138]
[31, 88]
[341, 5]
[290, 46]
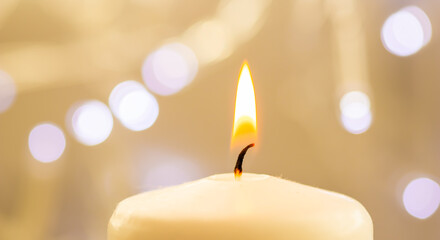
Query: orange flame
[245, 117]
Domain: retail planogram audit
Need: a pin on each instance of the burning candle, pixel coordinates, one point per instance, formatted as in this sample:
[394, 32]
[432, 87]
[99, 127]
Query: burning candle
[240, 205]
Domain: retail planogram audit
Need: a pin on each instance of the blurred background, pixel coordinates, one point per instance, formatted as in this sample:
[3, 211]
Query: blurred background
[103, 99]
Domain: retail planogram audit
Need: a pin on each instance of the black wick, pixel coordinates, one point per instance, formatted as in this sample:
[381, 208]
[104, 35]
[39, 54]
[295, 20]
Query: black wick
[238, 170]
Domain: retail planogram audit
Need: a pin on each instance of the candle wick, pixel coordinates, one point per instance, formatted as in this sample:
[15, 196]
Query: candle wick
[238, 170]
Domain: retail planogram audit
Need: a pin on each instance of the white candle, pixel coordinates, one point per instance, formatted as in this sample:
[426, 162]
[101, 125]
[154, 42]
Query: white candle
[254, 207]
[250, 207]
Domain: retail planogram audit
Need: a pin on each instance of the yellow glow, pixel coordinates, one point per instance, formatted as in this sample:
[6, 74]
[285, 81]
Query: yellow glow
[245, 118]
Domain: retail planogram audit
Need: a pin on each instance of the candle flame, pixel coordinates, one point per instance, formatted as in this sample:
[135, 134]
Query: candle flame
[245, 117]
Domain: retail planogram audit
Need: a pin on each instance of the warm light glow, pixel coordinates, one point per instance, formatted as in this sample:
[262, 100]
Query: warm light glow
[46, 142]
[406, 31]
[133, 105]
[83, 15]
[211, 41]
[7, 91]
[242, 17]
[421, 197]
[245, 118]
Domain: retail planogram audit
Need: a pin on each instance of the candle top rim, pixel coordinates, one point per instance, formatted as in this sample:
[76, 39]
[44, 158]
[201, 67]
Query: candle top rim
[257, 191]
[254, 199]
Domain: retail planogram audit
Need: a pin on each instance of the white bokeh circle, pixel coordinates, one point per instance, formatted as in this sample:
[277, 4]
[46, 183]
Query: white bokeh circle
[355, 104]
[46, 142]
[355, 110]
[169, 69]
[133, 105]
[91, 122]
[421, 197]
[405, 32]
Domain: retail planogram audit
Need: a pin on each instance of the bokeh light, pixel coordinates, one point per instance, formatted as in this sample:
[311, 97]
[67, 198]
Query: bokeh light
[423, 20]
[169, 69]
[94, 14]
[169, 172]
[421, 197]
[355, 104]
[357, 125]
[91, 122]
[355, 110]
[133, 105]
[242, 16]
[211, 40]
[46, 142]
[7, 91]
[406, 31]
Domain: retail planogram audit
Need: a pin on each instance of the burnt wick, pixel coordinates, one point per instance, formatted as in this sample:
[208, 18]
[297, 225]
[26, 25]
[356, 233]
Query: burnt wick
[238, 170]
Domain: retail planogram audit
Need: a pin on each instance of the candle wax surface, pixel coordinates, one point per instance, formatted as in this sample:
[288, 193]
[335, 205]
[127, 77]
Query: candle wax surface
[254, 207]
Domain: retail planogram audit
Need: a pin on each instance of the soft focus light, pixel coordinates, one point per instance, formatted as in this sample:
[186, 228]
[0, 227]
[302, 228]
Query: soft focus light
[169, 172]
[133, 105]
[406, 31]
[356, 125]
[211, 41]
[421, 197]
[85, 15]
[235, 21]
[169, 69]
[7, 7]
[355, 104]
[242, 16]
[7, 91]
[46, 142]
[245, 117]
[355, 112]
[91, 122]
[423, 20]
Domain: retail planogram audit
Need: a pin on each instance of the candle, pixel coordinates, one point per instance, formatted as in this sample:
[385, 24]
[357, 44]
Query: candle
[240, 205]
[256, 207]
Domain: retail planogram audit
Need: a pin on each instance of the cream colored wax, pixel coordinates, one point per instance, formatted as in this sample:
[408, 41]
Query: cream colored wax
[254, 207]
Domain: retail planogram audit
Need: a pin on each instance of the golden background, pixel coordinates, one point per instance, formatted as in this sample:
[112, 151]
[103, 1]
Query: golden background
[303, 54]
